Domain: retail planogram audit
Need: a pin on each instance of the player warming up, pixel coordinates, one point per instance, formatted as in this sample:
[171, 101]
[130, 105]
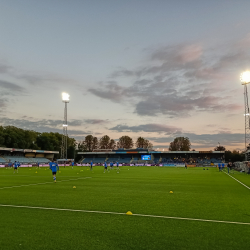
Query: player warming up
[117, 167]
[105, 166]
[53, 167]
[15, 167]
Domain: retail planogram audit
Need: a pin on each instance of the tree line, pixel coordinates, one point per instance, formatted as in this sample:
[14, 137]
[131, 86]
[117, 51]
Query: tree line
[13, 137]
[90, 143]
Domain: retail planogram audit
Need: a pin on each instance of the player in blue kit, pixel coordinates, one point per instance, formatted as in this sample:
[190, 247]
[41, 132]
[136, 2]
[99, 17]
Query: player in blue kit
[105, 166]
[91, 165]
[72, 164]
[53, 167]
[117, 167]
[219, 166]
[111, 165]
[15, 167]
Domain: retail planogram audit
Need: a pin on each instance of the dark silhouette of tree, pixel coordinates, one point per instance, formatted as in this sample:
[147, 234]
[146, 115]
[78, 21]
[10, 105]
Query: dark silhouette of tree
[180, 144]
[125, 142]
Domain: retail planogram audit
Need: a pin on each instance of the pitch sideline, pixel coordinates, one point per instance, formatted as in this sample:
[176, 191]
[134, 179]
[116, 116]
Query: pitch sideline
[236, 180]
[117, 213]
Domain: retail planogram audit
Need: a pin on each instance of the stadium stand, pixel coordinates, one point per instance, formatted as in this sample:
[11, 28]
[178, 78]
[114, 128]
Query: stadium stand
[2, 160]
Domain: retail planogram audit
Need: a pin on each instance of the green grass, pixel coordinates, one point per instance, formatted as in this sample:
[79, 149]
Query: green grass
[197, 193]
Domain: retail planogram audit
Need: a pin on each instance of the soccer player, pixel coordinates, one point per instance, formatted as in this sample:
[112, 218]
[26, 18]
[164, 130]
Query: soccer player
[53, 167]
[91, 165]
[117, 167]
[15, 167]
[219, 166]
[111, 165]
[38, 164]
[105, 166]
[72, 164]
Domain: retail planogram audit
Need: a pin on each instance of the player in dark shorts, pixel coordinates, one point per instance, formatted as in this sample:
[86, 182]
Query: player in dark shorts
[91, 165]
[117, 167]
[15, 167]
[53, 167]
[105, 166]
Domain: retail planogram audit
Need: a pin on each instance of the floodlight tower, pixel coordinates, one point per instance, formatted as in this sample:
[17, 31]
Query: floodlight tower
[245, 79]
[65, 99]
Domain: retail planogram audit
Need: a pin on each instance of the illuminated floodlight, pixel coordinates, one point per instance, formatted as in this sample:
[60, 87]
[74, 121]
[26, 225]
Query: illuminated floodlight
[65, 97]
[246, 114]
[65, 125]
[245, 77]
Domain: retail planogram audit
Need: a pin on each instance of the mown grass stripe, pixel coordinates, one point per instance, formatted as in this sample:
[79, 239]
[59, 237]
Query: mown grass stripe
[43, 183]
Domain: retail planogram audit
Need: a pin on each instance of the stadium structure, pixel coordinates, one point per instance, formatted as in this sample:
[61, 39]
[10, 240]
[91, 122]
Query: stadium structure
[146, 156]
[25, 156]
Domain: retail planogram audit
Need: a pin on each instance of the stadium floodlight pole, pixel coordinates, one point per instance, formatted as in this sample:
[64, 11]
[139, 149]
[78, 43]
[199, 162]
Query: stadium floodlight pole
[65, 99]
[245, 79]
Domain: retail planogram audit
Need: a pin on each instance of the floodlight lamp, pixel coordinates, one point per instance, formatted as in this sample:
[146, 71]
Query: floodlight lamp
[65, 97]
[245, 77]
[65, 125]
[246, 114]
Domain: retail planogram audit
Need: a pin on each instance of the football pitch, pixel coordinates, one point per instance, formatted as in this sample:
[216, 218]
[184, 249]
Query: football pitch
[87, 209]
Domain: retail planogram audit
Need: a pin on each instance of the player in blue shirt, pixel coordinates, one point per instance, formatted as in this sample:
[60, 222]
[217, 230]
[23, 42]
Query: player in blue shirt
[91, 165]
[15, 167]
[219, 166]
[111, 165]
[53, 167]
[105, 166]
[72, 164]
[117, 167]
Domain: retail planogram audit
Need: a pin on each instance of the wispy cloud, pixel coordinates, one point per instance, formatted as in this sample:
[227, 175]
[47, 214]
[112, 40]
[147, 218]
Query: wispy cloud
[158, 128]
[178, 80]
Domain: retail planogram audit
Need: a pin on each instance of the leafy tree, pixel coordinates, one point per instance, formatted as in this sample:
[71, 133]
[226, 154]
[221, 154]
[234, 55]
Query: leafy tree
[90, 143]
[125, 142]
[143, 143]
[82, 147]
[219, 148]
[104, 142]
[234, 156]
[180, 144]
[112, 144]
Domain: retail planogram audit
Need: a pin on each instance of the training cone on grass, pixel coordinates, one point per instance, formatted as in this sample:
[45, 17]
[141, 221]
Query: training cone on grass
[74, 187]
[171, 192]
[129, 213]
[36, 172]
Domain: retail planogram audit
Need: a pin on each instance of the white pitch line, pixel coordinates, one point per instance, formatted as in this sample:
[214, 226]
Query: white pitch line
[43, 183]
[117, 213]
[237, 180]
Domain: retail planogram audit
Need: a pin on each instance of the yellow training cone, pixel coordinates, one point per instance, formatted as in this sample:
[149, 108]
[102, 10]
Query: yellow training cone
[171, 192]
[36, 172]
[129, 213]
[74, 187]
[77, 173]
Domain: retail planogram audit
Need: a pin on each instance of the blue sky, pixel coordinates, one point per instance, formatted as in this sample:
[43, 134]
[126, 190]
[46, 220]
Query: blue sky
[158, 69]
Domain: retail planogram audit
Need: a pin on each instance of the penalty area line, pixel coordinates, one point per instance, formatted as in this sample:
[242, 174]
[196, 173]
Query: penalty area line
[237, 180]
[117, 213]
[43, 183]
